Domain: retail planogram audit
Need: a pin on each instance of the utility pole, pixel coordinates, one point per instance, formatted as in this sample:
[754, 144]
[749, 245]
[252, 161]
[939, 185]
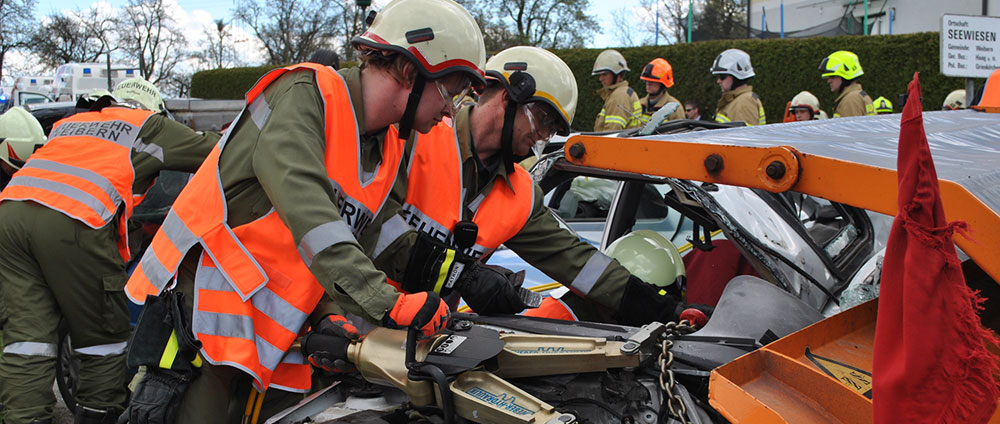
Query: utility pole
[363, 4]
[866, 17]
[690, 18]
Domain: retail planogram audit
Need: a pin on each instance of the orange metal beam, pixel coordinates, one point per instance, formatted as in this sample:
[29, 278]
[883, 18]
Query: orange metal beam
[783, 168]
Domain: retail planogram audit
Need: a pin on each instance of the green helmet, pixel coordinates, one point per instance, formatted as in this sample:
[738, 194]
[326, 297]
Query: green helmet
[140, 92]
[649, 256]
[97, 93]
[842, 64]
[882, 105]
[20, 136]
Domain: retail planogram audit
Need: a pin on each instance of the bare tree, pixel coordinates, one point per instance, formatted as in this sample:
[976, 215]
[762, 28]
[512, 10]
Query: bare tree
[624, 29]
[217, 49]
[669, 19]
[352, 24]
[17, 19]
[290, 30]
[151, 37]
[178, 84]
[496, 35]
[542, 23]
[712, 20]
[81, 36]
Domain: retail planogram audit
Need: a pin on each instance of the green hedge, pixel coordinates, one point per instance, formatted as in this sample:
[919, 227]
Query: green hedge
[231, 83]
[783, 67]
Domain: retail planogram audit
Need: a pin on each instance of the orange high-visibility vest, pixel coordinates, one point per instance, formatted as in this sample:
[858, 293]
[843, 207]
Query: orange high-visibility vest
[253, 287]
[85, 170]
[435, 189]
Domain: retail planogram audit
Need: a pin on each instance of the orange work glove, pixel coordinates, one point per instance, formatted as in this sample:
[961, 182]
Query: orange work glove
[424, 311]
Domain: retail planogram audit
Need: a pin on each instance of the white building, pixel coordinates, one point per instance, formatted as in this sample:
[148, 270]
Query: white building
[884, 16]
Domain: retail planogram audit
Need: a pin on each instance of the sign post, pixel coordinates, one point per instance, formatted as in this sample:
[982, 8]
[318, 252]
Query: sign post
[970, 48]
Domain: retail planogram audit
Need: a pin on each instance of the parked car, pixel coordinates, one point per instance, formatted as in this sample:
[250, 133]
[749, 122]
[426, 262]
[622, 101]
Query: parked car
[811, 247]
[582, 201]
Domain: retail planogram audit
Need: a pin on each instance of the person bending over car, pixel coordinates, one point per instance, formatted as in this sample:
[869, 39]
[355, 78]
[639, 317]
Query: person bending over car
[464, 197]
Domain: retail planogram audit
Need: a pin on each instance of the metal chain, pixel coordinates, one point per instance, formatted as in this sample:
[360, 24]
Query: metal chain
[667, 382]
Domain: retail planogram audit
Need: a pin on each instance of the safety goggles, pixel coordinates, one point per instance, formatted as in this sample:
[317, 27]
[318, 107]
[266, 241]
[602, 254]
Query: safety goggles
[453, 90]
[544, 124]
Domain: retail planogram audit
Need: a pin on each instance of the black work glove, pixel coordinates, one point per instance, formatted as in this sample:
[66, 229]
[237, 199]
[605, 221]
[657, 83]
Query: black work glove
[334, 326]
[157, 397]
[643, 303]
[492, 290]
[436, 267]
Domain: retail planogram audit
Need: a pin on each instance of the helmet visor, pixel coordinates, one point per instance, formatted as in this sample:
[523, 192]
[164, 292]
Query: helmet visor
[649, 73]
[825, 69]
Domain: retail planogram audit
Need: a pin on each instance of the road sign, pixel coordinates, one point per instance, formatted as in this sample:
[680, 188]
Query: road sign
[970, 45]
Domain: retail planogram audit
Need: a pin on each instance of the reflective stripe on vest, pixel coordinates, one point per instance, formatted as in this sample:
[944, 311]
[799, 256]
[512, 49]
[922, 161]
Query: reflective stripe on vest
[435, 194]
[80, 171]
[47, 350]
[110, 349]
[253, 287]
[590, 273]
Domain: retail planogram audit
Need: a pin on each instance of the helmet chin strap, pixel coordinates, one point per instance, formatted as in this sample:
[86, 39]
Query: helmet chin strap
[507, 135]
[406, 122]
[520, 87]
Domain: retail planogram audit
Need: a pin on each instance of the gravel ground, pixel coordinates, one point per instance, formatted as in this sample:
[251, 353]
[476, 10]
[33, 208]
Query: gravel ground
[61, 414]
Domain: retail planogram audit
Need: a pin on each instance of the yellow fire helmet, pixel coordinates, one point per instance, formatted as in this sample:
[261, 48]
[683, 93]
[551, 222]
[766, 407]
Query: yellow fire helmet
[551, 80]
[649, 256]
[882, 105]
[20, 136]
[141, 93]
[842, 64]
[955, 101]
[610, 61]
[439, 36]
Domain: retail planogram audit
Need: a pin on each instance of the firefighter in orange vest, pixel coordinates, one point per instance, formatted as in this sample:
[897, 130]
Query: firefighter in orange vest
[465, 197]
[282, 214]
[63, 248]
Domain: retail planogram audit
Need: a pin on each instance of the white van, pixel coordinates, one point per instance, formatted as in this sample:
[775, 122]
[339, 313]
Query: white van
[29, 89]
[73, 80]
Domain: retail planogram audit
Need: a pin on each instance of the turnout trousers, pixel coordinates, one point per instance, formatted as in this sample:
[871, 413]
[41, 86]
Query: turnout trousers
[54, 267]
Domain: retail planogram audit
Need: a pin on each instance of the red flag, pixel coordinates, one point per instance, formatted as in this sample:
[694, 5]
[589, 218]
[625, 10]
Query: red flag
[931, 364]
